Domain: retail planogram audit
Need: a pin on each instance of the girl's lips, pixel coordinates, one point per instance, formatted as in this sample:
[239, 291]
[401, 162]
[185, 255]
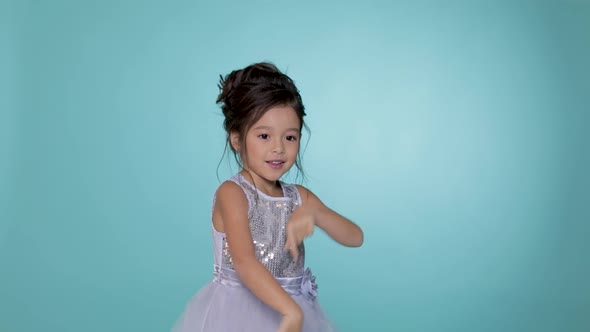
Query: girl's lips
[275, 163]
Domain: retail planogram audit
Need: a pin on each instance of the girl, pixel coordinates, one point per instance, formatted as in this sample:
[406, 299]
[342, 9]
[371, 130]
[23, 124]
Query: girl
[260, 222]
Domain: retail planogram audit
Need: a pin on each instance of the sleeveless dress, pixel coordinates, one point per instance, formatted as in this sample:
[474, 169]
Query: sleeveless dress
[225, 304]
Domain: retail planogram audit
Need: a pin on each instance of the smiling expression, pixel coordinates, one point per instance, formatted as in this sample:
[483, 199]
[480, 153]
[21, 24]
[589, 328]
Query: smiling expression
[272, 145]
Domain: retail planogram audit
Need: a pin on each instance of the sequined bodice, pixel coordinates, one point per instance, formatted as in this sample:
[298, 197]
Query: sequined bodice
[268, 217]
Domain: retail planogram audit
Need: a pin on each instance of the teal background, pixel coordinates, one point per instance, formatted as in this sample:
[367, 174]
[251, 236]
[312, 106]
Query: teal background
[454, 132]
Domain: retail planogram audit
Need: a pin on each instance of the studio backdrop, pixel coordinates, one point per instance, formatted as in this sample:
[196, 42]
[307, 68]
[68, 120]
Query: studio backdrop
[455, 133]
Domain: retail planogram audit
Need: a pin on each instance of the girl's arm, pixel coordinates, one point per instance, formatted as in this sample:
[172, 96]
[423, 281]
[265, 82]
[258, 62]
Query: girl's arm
[231, 206]
[339, 228]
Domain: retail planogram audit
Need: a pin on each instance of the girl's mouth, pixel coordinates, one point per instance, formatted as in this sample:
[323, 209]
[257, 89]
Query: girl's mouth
[275, 163]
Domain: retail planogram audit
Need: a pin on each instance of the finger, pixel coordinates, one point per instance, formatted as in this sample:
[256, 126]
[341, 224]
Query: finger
[289, 241]
[292, 249]
[291, 246]
[294, 252]
[288, 244]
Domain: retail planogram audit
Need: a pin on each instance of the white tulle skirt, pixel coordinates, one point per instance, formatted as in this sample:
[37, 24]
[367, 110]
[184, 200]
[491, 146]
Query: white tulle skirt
[226, 305]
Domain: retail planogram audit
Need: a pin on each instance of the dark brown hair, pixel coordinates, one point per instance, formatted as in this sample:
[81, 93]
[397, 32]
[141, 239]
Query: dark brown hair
[245, 95]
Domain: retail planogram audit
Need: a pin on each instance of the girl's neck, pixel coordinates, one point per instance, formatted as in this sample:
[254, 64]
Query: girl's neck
[270, 188]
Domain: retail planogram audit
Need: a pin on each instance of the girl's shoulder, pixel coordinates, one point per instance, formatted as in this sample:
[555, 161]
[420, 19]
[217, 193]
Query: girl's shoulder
[231, 186]
[304, 193]
[307, 196]
[230, 191]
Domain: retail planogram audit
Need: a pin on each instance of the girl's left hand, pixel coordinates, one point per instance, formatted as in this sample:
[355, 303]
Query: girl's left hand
[300, 226]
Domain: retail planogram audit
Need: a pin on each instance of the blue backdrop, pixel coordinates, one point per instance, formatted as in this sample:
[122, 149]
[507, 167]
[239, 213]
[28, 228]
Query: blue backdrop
[454, 132]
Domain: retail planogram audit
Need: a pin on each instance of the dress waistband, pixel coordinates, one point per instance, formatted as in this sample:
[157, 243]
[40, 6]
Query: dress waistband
[296, 285]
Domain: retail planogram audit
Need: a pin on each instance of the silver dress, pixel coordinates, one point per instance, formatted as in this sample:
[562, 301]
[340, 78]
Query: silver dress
[225, 304]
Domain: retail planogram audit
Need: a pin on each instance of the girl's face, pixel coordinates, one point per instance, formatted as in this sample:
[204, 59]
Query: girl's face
[272, 145]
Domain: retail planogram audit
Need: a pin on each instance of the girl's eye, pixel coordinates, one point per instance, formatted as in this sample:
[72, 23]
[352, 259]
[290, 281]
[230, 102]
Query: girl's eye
[291, 138]
[263, 136]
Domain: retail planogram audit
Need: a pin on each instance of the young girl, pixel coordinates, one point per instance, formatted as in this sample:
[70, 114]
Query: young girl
[260, 222]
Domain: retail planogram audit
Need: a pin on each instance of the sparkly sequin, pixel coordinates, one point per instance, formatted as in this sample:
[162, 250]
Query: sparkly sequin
[267, 218]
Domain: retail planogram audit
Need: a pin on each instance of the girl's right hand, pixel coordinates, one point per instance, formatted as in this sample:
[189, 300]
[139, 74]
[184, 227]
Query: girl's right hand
[291, 323]
[300, 225]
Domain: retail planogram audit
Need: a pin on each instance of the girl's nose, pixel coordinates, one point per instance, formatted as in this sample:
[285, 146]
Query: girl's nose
[278, 149]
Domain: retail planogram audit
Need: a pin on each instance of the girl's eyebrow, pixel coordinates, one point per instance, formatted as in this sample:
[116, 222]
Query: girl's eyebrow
[270, 128]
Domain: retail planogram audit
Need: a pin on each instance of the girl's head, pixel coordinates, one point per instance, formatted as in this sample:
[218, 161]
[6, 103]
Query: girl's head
[263, 118]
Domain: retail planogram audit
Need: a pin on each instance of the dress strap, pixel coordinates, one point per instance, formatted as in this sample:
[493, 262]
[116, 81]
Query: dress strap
[291, 191]
[246, 188]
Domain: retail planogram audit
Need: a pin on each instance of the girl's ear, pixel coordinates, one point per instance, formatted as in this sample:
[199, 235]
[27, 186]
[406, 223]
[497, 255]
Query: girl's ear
[234, 139]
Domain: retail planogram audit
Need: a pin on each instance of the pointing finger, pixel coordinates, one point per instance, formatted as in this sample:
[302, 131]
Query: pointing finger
[294, 252]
